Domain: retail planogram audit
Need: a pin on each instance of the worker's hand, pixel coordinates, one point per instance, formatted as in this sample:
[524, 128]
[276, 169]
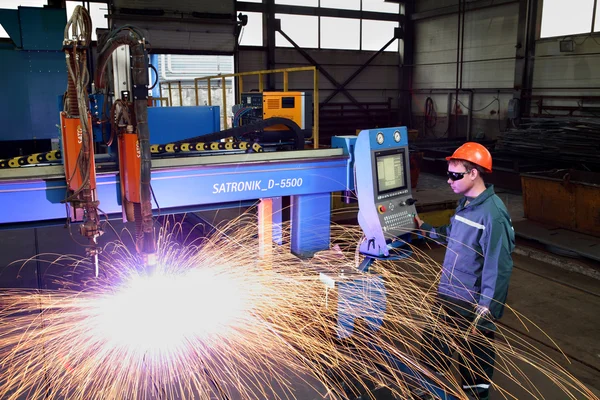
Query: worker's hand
[482, 314]
[419, 222]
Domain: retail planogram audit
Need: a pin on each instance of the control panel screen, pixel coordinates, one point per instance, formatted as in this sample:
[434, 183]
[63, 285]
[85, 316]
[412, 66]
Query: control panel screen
[391, 173]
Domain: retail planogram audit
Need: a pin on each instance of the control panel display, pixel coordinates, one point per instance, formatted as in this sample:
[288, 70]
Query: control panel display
[382, 172]
[390, 171]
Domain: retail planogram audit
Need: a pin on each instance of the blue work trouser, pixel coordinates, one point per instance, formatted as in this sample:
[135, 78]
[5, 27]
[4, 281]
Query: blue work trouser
[476, 350]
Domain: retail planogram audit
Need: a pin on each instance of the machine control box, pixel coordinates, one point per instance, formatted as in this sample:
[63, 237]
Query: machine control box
[295, 106]
[386, 206]
[393, 199]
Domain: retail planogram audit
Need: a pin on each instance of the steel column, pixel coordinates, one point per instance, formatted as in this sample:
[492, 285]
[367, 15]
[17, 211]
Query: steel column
[277, 218]
[272, 25]
[406, 61]
[265, 229]
[311, 220]
[525, 52]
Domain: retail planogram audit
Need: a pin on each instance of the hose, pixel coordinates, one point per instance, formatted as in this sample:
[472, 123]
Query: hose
[132, 37]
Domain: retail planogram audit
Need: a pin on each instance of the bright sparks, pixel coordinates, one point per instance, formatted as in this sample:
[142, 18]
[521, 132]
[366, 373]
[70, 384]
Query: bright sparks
[162, 312]
[213, 320]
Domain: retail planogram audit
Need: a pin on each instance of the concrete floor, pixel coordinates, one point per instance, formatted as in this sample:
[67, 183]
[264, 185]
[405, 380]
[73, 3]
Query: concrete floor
[566, 314]
[564, 305]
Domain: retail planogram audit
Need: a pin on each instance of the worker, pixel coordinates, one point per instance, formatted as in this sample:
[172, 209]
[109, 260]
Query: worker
[475, 274]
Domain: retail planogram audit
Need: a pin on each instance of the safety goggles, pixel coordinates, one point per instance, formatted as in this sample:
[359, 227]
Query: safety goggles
[456, 176]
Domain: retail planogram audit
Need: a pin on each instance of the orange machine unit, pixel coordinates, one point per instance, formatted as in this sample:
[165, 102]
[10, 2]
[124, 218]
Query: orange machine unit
[295, 106]
[130, 162]
[72, 141]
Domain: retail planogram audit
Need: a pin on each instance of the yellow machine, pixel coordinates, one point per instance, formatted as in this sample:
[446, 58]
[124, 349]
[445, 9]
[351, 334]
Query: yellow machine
[295, 106]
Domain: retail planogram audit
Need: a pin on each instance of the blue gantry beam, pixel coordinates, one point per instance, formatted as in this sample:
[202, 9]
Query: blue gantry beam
[36, 197]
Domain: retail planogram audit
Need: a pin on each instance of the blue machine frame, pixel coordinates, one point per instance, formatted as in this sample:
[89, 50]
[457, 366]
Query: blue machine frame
[170, 124]
[189, 184]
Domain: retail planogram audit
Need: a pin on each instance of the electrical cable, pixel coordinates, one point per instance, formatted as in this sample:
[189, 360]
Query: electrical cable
[155, 201]
[431, 119]
[153, 68]
[430, 113]
[480, 109]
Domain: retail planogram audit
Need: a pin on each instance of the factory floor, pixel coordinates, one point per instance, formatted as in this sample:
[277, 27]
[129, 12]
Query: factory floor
[562, 304]
[555, 292]
[558, 294]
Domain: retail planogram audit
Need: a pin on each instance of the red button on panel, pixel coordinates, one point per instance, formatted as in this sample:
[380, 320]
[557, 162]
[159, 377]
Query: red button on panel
[381, 209]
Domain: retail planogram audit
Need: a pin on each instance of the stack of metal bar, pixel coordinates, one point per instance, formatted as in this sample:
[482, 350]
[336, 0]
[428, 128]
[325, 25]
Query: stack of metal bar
[573, 141]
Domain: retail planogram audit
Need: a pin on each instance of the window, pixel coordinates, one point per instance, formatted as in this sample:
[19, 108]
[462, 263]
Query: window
[380, 6]
[558, 20]
[377, 33]
[14, 4]
[302, 29]
[97, 13]
[306, 3]
[252, 33]
[340, 33]
[341, 4]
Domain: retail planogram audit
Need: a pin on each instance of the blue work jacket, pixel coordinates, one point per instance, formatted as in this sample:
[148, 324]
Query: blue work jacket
[480, 239]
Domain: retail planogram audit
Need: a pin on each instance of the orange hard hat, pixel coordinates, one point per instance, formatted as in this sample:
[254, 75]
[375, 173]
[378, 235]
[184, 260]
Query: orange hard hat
[475, 153]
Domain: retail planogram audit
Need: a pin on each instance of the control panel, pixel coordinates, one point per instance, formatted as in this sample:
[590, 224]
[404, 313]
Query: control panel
[382, 174]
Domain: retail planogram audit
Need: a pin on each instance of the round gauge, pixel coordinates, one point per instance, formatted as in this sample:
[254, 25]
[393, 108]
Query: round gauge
[397, 136]
[380, 137]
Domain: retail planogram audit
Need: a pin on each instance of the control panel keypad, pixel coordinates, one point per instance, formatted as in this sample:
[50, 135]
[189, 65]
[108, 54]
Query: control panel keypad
[398, 219]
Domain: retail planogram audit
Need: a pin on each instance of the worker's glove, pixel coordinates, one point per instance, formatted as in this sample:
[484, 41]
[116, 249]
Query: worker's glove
[484, 319]
[420, 231]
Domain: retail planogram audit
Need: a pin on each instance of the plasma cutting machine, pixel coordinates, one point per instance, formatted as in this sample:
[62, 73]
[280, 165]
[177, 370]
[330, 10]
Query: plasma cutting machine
[375, 164]
[115, 114]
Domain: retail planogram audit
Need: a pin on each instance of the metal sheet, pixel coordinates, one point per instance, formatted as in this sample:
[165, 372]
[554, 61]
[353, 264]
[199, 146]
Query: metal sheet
[170, 124]
[42, 28]
[31, 85]
[37, 200]
[567, 199]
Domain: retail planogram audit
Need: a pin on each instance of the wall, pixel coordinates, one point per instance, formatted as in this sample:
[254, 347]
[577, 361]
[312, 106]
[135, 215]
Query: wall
[566, 75]
[488, 68]
[31, 83]
[377, 83]
[183, 25]
[491, 34]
